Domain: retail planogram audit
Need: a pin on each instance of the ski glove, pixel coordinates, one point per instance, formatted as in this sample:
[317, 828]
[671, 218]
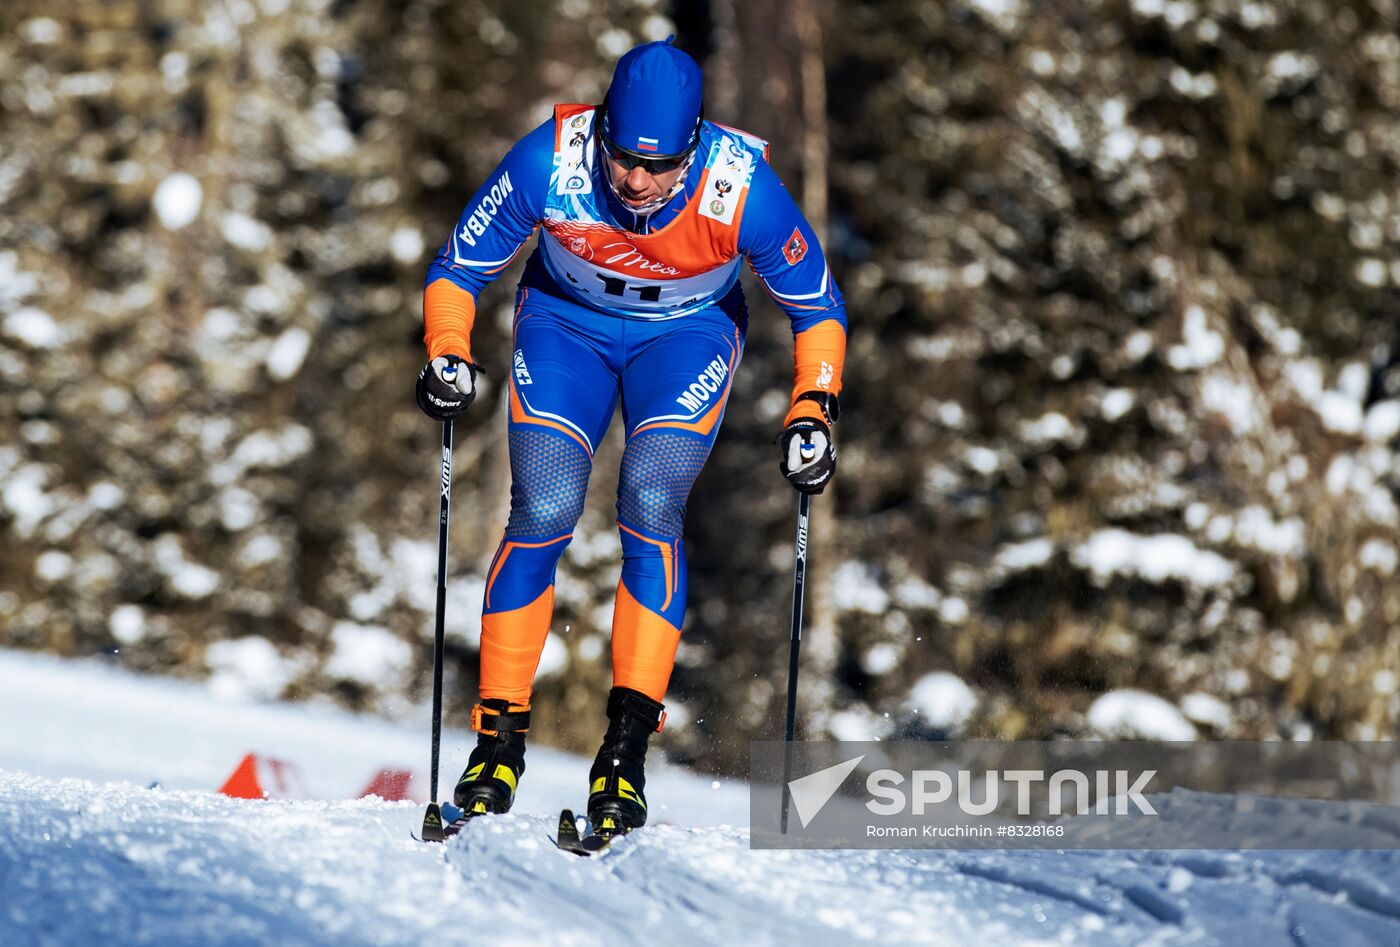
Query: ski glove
[808, 454]
[446, 387]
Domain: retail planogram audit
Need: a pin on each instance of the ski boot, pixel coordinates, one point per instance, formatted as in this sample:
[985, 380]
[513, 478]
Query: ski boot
[616, 804]
[494, 768]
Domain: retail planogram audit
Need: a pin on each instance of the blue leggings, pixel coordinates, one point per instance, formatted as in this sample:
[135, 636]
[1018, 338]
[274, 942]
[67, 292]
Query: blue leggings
[570, 365]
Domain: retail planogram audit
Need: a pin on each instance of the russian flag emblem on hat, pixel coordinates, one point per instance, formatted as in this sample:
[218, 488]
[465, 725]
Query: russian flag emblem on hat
[647, 144]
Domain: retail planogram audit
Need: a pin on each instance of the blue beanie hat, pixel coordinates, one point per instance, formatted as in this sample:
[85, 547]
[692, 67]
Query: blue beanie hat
[653, 104]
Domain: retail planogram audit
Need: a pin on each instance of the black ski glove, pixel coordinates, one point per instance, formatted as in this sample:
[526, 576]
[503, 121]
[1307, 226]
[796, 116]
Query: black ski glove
[808, 454]
[446, 387]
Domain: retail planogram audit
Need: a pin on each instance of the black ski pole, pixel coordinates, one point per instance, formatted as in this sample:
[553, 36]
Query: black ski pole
[432, 819]
[799, 580]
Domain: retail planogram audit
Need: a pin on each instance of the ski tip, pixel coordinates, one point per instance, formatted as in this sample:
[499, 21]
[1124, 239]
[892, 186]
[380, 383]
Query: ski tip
[569, 838]
[432, 824]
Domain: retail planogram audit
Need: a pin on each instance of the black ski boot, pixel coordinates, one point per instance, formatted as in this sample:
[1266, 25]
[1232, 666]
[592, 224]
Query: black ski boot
[494, 768]
[616, 804]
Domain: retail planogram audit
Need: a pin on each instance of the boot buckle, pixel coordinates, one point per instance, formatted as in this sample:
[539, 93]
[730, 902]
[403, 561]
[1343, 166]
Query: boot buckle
[514, 720]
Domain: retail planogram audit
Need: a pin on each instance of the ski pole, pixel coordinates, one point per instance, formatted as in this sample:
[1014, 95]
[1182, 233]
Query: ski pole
[432, 819]
[799, 579]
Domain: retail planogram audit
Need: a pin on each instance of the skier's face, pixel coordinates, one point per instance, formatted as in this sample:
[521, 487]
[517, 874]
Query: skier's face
[637, 186]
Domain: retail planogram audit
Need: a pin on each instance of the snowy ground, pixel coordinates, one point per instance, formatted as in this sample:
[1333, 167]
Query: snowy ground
[103, 859]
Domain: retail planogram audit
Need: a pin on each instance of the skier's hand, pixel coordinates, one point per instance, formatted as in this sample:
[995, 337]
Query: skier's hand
[808, 454]
[446, 387]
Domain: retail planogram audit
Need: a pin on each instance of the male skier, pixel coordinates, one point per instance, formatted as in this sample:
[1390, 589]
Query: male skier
[633, 292]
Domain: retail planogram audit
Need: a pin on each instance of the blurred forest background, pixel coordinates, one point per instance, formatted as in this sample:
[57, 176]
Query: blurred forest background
[1122, 404]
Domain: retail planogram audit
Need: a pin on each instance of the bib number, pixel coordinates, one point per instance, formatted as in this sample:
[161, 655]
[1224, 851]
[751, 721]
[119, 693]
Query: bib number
[620, 287]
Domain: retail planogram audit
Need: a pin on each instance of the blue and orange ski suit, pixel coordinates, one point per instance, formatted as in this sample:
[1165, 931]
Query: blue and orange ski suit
[615, 306]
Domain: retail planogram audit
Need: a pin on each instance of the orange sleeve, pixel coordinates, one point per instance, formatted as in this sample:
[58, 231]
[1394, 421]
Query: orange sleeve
[819, 354]
[448, 314]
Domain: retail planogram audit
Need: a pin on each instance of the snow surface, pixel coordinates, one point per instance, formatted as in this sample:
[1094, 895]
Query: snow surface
[246, 233]
[1201, 346]
[406, 244]
[1157, 558]
[1134, 714]
[34, 328]
[1383, 421]
[943, 700]
[189, 579]
[100, 859]
[287, 353]
[177, 200]
[1208, 710]
[368, 654]
[22, 492]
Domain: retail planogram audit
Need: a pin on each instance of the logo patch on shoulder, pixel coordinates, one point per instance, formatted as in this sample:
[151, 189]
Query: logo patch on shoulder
[730, 170]
[571, 169]
[795, 249]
